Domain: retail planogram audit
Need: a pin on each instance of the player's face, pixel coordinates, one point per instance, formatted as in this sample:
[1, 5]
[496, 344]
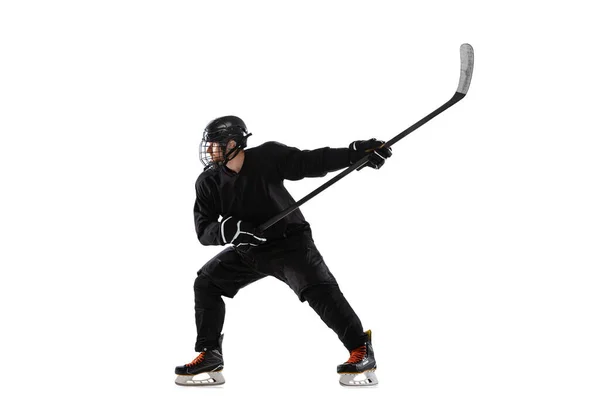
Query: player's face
[215, 152]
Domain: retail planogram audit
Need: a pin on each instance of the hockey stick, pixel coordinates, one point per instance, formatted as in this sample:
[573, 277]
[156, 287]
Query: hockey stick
[466, 72]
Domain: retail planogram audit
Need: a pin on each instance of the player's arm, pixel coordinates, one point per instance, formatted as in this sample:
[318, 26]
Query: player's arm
[230, 230]
[295, 164]
[206, 217]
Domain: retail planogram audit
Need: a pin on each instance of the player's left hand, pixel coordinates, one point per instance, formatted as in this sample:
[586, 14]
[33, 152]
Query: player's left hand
[373, 147]
[240, 233]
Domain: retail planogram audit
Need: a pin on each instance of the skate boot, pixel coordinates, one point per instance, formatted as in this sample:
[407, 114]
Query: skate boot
[208, 363]
[360, 368]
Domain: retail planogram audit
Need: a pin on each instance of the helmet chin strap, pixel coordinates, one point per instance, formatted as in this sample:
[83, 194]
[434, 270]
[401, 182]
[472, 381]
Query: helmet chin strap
[230, 155]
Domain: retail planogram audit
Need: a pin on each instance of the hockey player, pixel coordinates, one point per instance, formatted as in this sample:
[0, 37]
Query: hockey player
[237, 191]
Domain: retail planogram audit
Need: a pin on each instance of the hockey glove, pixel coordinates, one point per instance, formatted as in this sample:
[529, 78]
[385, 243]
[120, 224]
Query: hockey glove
[239, 233]
[374, 148]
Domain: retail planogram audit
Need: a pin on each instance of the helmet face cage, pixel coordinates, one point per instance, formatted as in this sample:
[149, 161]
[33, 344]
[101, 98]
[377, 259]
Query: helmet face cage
[213, 148]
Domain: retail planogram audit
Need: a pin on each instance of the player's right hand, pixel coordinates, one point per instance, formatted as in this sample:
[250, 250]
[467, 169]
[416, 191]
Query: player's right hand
[239, 233]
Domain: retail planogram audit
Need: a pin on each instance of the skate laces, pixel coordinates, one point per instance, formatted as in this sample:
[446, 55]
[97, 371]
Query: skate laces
[197, 360]
[357, 354]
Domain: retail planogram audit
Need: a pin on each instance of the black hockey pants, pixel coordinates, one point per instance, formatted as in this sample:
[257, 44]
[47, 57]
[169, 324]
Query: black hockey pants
[295, 261]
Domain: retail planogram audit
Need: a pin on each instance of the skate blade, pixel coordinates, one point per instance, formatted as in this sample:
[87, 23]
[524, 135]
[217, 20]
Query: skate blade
[214, 378]
[367, 378]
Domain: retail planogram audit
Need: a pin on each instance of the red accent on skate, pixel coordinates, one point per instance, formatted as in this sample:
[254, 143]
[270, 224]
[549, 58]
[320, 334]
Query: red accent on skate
[197, 360]
[357, 355]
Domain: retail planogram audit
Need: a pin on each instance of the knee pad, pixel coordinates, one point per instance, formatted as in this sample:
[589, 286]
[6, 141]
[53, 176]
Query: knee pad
[206, 292]
[317, 292]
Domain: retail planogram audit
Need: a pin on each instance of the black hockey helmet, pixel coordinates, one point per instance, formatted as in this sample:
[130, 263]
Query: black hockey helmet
[217, 135]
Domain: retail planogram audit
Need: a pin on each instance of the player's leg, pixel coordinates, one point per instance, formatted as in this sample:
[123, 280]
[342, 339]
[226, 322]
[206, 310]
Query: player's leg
[223, 275]
[306, 273]
[335, 311]
[209, 312]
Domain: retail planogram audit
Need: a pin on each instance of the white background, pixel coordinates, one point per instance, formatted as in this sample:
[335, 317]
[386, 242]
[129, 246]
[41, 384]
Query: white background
[472, 255]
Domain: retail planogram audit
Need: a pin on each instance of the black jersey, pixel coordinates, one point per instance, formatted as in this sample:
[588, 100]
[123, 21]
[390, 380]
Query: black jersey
[257, 193]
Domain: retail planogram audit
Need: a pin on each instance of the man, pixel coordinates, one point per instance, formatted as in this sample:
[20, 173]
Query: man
[244, 188]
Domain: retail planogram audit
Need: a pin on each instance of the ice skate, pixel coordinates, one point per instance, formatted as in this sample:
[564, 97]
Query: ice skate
[360, 368]
[205, 370]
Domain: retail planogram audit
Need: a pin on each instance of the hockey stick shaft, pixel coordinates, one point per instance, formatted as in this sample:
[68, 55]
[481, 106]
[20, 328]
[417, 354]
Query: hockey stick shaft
[466, 56]
[457, 97]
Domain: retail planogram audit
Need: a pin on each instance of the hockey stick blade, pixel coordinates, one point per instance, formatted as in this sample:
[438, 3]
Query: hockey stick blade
[466, 72]
[467, 58]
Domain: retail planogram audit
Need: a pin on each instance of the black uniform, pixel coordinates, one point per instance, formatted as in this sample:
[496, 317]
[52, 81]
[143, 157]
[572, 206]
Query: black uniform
[254, 195]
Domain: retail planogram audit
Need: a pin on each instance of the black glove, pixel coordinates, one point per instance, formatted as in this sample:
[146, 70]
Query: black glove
[374, 148]
[239, 233]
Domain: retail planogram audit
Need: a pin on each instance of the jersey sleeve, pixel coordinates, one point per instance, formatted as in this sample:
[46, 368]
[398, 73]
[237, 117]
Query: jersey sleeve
[294, 164]
[206, 217]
